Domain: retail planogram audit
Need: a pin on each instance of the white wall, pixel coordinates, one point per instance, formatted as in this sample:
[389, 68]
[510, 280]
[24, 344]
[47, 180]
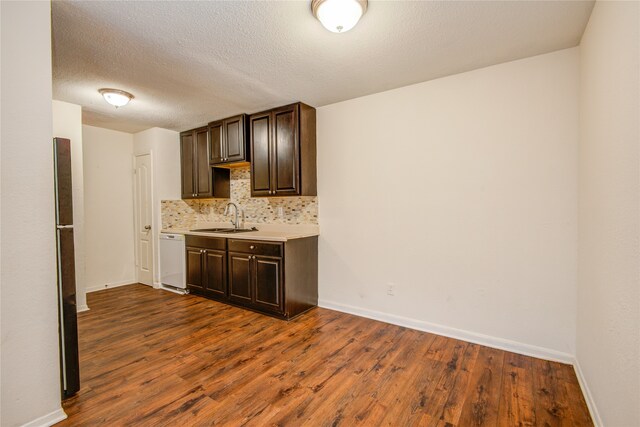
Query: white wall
[608, 338]
[164, 146]
[67, 123]
[30, 386]
[462, 192]
[108, 190]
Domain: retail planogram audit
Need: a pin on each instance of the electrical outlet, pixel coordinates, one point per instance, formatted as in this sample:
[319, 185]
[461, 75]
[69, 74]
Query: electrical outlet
[391, 289]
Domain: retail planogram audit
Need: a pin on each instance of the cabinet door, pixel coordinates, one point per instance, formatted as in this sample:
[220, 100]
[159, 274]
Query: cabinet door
[268, 283]
[216, 272]
[216, 151]
[234, 128]
[260, 134]
[187, 161]
[240, 278]
[286, 155]
[203, 170]
[195, 277]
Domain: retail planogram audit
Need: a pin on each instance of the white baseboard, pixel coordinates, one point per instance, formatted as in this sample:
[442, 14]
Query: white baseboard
[82, 308]
[48, 419]
[172, 289]
[460, 334]
[586, 392]
[111, 285]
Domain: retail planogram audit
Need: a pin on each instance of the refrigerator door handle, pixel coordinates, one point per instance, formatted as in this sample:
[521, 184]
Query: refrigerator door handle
[62, 227]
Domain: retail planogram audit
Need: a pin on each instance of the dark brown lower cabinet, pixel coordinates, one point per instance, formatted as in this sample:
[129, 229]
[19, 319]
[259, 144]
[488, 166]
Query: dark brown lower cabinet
[268, 283]
[256, 281]
[207, 267]
[240, 278]
[216, 268]
[195, 269]
[280, 279]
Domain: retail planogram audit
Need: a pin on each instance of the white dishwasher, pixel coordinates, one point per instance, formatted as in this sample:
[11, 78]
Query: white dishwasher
[172, 261]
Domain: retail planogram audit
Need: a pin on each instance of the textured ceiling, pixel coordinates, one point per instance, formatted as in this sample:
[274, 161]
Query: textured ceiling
[191, 62]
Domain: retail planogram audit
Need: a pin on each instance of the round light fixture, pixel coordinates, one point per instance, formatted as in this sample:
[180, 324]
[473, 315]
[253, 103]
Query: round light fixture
[116, 97]
[338, 16]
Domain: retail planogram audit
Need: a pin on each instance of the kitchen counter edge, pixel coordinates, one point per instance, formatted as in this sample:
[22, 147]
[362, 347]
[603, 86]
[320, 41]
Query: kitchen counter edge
[271, 236]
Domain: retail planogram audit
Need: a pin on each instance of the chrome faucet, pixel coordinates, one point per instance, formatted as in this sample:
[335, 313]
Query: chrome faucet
[236, 223]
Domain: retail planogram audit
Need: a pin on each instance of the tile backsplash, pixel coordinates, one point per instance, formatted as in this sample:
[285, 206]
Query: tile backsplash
[186, 214]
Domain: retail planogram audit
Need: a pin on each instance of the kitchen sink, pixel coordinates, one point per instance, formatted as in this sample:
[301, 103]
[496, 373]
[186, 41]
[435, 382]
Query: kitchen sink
[225, 230]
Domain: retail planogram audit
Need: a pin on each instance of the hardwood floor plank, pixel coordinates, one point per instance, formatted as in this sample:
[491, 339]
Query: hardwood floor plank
[551, 398]
[153, 358]
[483, 394]
[516, 407]
[453, 406]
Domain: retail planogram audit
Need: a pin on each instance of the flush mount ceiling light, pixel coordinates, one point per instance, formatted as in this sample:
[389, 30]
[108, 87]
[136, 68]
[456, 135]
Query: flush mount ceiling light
[116, 97]
[338, 16]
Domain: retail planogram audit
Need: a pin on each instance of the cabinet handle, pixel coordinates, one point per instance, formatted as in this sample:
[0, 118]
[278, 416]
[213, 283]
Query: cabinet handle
[252, 247]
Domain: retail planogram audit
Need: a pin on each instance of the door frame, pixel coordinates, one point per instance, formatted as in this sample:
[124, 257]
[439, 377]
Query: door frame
[154, 230]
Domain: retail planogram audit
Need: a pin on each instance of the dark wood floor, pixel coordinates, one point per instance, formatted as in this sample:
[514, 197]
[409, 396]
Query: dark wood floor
[150, 357]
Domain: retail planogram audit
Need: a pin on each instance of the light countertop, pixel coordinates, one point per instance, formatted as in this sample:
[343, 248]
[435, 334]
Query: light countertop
[267, 232]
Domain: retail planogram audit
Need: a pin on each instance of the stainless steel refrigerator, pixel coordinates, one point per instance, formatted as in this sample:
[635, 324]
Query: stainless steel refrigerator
[67, 314]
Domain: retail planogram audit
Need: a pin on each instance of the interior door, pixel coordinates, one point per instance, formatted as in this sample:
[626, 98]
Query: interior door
[143, 219]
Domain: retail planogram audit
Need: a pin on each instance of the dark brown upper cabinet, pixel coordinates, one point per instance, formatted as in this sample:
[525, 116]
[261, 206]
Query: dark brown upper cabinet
[199, 180]
[283, 151]
[229, 141]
